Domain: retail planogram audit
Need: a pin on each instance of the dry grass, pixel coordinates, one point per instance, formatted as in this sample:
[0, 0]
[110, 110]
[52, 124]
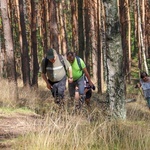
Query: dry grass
[89, 130]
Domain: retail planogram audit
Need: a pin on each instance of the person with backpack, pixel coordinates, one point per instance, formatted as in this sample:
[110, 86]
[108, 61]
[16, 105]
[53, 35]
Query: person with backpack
[54, 69]
[78, 71]
[145, 84]
[87, 91]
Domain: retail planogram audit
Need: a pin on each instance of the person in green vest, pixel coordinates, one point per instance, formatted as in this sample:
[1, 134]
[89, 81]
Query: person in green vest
[78, 71]
[87, 91]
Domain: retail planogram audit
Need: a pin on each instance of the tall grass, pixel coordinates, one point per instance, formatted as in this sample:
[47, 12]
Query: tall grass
[89, 130]
[68, 132]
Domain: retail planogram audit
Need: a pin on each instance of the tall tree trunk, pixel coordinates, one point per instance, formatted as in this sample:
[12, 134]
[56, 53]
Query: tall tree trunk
[115, 63]
[93, 38]
[141, 37]
[44, 25]
[18, 59]
[2, 59]
[53, 26]
[103, 47]
[147, 26]
[63, 39]
[124, 30]
[129, 41]
[10, 60]
[87, 27]
[100, 74]
[34, 44]
[74, 23]
[24, 49]
[80, 28]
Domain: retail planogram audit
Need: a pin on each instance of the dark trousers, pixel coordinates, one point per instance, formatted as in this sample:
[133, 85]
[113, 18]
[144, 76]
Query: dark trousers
[58, 87]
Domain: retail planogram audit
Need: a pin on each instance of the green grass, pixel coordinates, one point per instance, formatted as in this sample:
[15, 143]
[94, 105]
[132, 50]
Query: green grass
[6, 110]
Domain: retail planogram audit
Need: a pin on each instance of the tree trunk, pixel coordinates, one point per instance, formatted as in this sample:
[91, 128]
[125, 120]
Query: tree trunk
[74, 23]
[87, 27]
[100, 77]
[63, 40]
[115, 63]
[44, 25]
[10, 60]
[24, 49]
[129, 41]
[141, 37]
[53, 26]
[147, 27]
[80, 28]
[34, 44]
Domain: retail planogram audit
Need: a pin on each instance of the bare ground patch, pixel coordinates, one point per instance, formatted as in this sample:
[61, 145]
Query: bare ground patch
[14, 125]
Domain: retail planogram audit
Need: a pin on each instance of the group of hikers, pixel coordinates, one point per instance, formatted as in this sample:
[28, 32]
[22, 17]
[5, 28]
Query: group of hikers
[55, 70]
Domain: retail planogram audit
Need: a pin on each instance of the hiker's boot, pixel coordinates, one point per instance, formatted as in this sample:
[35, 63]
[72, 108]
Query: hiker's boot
[87, 101]
[81, 100]
[60, 102]
[57, 100]
[70, 102]
[79, 103]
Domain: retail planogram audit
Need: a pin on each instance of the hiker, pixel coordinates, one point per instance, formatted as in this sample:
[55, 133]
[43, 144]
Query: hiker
[78, 72]
[87, 91]
[54, 69]
[145, 84]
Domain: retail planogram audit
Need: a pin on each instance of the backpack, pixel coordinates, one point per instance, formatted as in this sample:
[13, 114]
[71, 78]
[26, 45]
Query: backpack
[78, 61]
[61, 60]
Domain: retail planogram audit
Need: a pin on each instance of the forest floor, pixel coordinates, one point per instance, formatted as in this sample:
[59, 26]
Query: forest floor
[18, 123]
[14, 125]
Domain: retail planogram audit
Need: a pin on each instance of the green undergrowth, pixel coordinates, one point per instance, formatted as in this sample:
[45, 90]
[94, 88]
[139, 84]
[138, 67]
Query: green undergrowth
[6, 110]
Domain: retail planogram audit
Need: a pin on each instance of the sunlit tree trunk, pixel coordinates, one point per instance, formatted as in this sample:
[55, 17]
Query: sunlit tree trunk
[100, 73]
[93, 37]
[129, 41]
[9, 52]
[63, 39]
[103, 49]
[115, 63]
[147, 26]
[90, 37]
[53, 26]
[74, 23]
[140, 33]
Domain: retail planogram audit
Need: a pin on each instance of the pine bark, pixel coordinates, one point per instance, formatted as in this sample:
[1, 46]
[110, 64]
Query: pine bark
[35, 68]
[9, 52]
[24, 49]
[53, 26]
[80, 28]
